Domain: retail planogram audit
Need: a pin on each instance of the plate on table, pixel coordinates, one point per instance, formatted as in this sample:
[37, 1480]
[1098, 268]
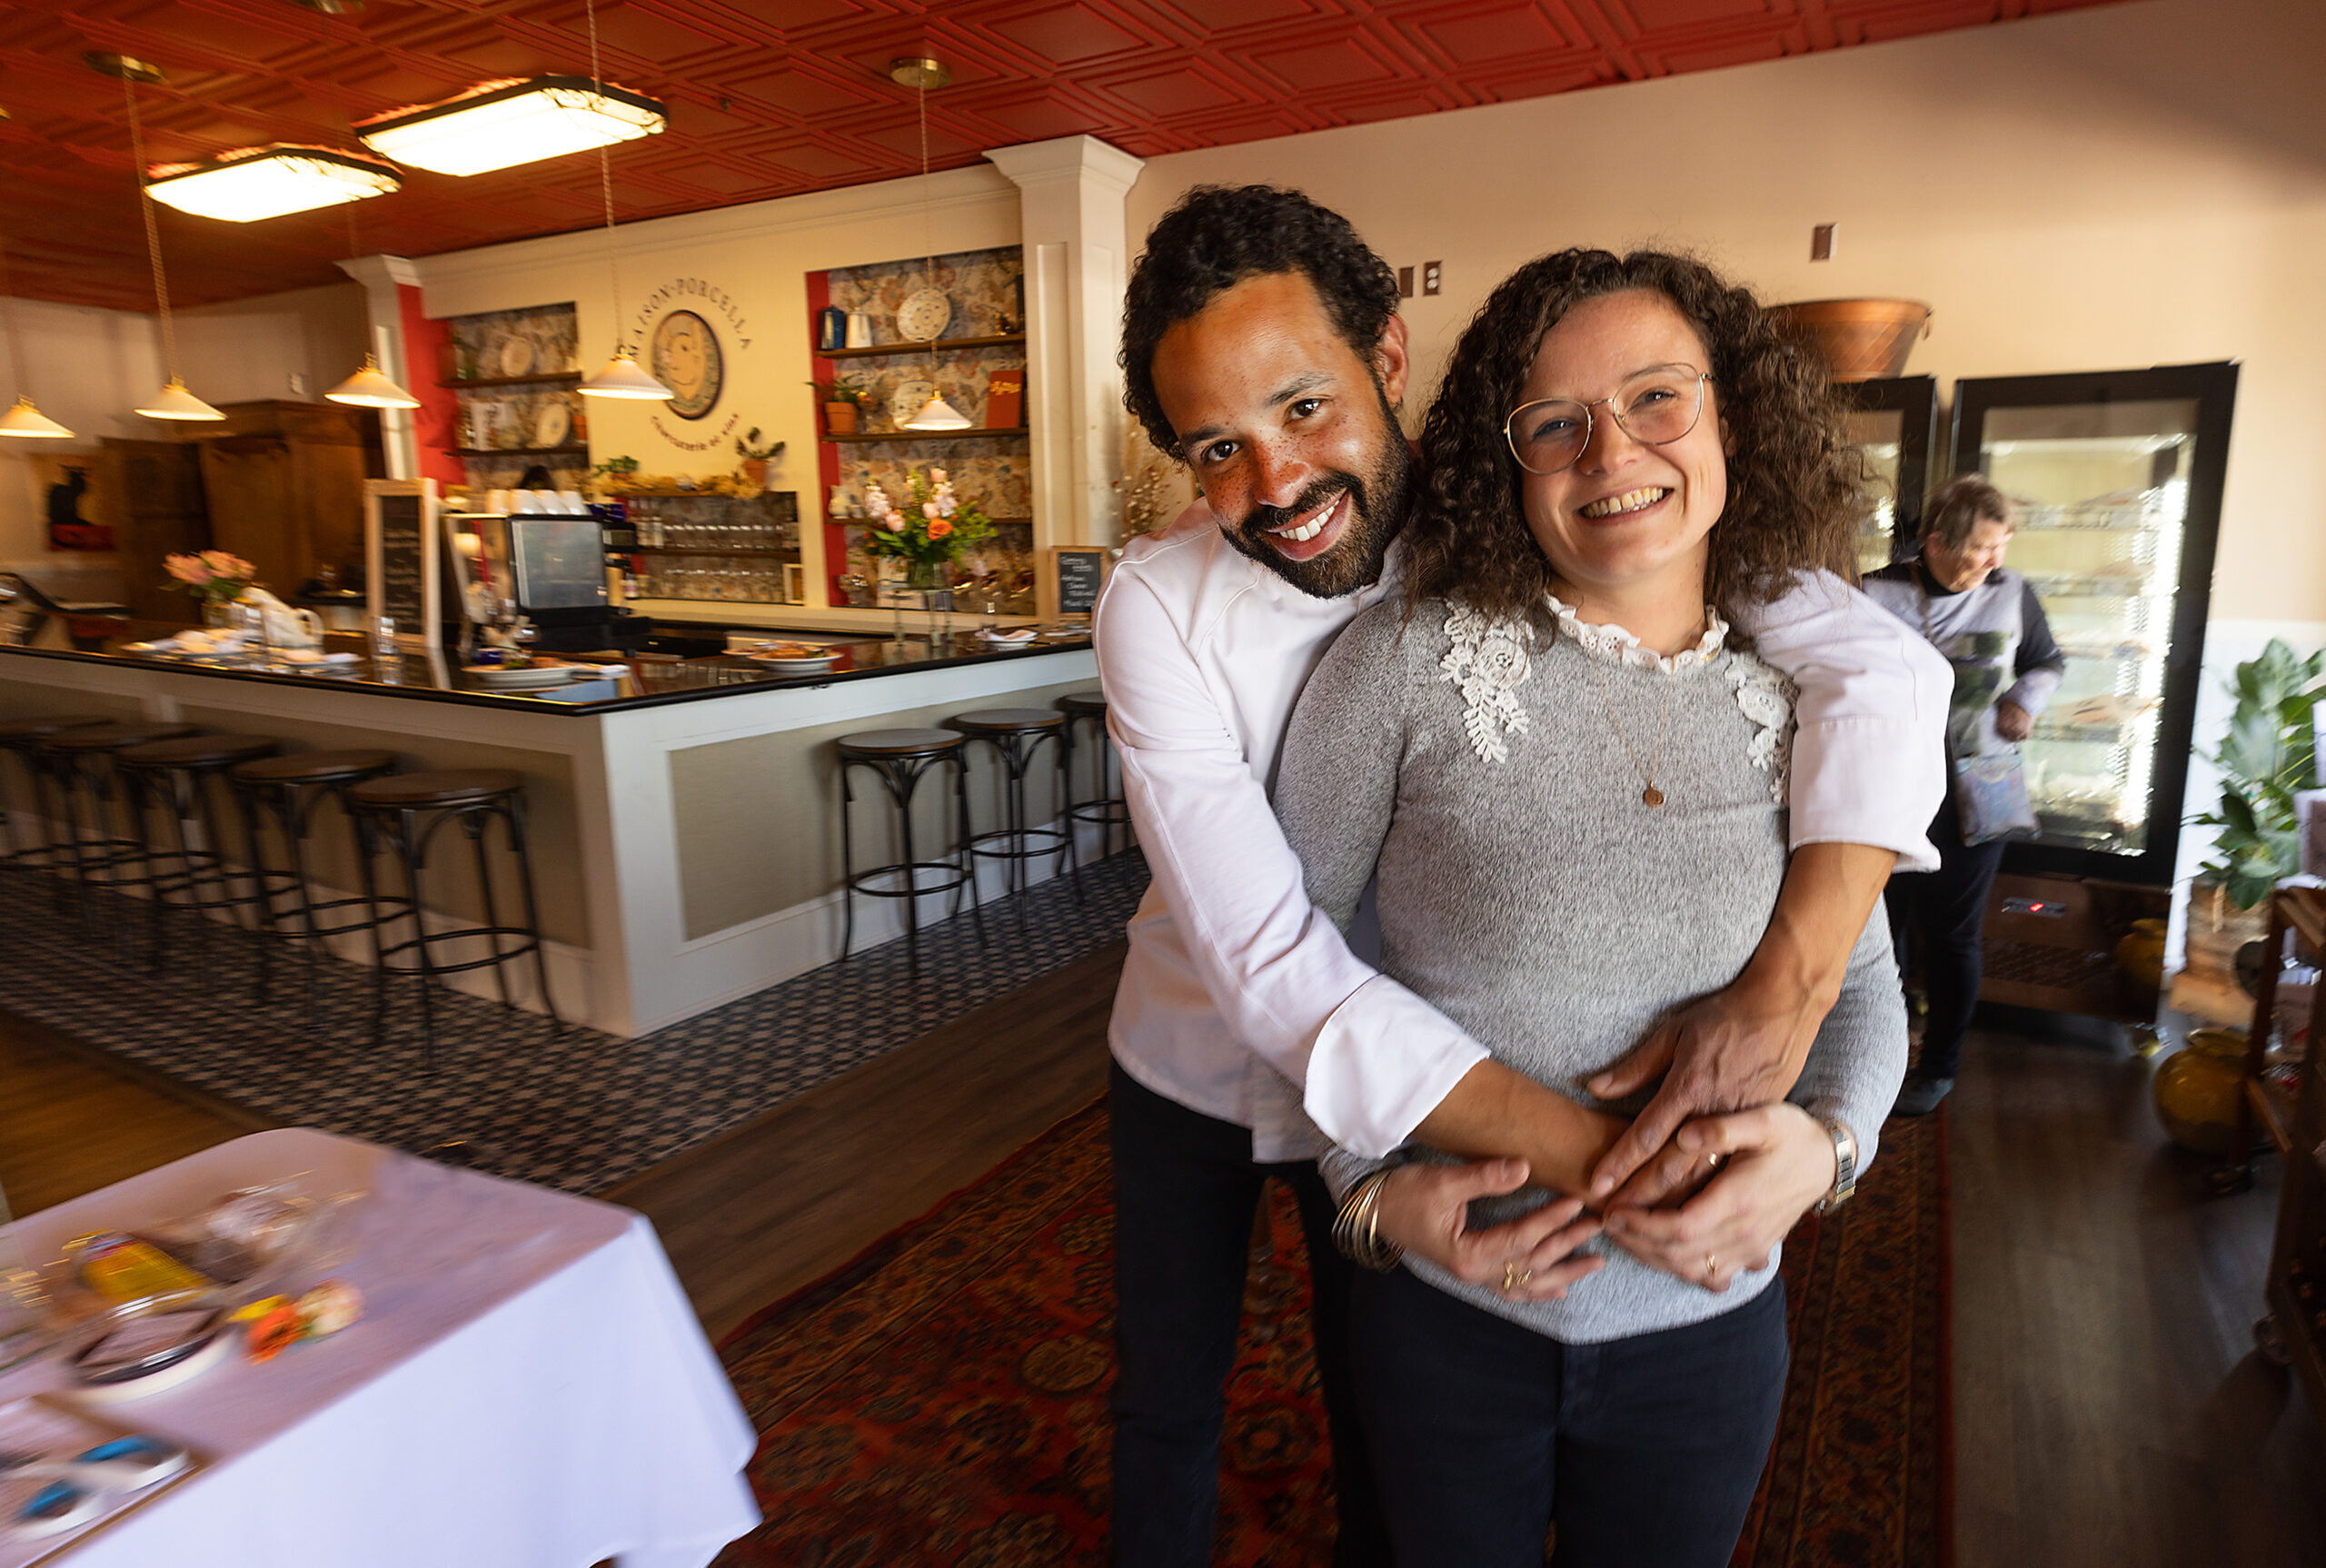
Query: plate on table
[524, 677]
[794, 655]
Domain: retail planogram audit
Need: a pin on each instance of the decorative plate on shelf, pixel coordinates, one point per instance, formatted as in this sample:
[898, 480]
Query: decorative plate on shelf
[922, 317]
[555, 423]
[909, 399]
[517, 357]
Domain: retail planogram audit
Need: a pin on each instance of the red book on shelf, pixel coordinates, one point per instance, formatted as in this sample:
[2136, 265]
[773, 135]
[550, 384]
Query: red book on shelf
[1005, 400]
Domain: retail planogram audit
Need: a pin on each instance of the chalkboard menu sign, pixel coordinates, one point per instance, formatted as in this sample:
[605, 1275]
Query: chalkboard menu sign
[1082, 572]
[400, 550]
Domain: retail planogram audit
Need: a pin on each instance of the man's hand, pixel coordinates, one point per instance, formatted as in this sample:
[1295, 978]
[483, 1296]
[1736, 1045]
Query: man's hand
[1425, 1209]
[1746, 1045]
[1774, 1162]
[2013, 722]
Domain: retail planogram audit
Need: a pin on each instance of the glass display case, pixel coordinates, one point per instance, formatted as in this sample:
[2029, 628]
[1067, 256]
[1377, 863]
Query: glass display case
[2116, 477]
[1894, 424]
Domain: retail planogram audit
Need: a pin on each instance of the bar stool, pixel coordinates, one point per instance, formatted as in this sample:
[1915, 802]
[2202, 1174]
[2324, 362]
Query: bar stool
[1015, 733]
[899, 757]
[286, 792]
[80, 760]
[21, 737]
[403, 812]
[1108, 809]
[181, 777]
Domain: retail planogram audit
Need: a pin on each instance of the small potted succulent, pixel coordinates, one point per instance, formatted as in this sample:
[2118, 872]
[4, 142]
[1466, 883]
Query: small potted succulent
[843, 400]
[756, 456]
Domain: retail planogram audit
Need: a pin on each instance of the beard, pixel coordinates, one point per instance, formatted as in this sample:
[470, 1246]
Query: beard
[1377, 503]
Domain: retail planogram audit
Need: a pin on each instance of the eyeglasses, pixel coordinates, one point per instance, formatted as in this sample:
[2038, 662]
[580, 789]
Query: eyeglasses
[1656, 407]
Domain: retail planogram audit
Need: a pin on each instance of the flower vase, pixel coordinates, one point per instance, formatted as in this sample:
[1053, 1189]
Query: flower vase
[926, 578]
[217, 613]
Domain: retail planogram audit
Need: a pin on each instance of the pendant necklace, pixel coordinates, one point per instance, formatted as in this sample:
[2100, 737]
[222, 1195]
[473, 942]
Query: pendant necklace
[1651, 795]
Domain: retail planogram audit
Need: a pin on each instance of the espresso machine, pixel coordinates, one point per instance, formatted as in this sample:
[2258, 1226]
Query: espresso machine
[549, 569]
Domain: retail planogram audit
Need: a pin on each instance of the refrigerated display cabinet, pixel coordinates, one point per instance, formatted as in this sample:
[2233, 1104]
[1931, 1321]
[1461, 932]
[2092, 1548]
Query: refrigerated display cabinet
[1894, 424]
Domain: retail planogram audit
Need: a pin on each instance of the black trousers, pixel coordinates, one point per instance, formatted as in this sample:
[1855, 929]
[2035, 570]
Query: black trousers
[1940, 918]
[1645, 1450]
[1186, 1191]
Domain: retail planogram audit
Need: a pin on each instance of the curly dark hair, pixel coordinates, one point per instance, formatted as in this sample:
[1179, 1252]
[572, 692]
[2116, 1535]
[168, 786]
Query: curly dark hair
[1215, 238]
[1794, 481]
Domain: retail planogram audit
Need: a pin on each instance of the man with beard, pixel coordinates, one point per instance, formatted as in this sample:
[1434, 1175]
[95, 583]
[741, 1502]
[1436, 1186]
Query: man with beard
[1262, 346]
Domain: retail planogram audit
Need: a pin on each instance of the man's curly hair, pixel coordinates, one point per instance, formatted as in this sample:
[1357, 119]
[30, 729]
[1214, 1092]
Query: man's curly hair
[1794, 491]
[1215, 238]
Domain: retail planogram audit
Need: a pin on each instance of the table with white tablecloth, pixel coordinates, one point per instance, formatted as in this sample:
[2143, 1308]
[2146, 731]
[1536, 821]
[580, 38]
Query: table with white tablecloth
[528, 1387]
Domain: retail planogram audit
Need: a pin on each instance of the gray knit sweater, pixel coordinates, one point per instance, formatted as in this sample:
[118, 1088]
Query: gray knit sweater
[1528, 892]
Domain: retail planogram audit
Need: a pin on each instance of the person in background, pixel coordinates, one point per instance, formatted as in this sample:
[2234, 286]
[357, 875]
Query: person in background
[1986, 619]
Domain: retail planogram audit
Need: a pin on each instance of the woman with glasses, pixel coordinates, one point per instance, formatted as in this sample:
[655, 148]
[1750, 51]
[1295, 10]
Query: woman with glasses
[1568, 775]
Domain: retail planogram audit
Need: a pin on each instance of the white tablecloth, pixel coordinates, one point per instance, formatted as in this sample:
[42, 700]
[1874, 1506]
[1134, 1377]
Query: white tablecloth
[528, 1387]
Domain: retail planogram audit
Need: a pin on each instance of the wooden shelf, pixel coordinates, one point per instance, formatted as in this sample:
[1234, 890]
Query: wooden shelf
[701, 549]
[542, 379]
[942, 345]
[927, 435]
[867, 522]
[516, 452]
[691, 495]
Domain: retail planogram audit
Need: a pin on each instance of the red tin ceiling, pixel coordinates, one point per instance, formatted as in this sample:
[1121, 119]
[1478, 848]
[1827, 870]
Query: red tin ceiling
[774, 98]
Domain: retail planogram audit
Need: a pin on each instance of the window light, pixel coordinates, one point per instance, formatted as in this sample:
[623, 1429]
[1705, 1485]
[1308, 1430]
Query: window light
[519, 124]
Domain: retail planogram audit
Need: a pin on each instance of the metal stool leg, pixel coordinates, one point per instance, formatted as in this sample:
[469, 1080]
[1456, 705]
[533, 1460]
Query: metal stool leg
[961, 855]
[847, 864]
[473, 823]
[513, 821]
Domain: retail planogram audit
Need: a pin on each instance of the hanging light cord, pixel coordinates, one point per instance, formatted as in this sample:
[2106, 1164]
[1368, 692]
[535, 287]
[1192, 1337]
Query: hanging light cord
[606, 188]
[152, 231]
[15, 349]
[928, 205]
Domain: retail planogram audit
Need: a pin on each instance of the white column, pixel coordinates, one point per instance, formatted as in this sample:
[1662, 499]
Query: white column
[383, 335]
[1074, 231]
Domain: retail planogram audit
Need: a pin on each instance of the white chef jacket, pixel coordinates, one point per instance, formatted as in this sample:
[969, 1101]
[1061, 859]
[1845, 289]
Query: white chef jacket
[1232, 975]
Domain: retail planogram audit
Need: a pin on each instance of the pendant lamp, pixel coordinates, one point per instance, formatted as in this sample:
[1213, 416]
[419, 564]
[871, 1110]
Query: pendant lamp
[921, 74]
[368, 388]
[24, 420]
[173, 402]
[621, 377]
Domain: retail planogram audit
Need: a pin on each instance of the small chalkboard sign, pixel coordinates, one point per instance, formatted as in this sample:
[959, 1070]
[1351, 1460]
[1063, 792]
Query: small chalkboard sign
[401, 542]
[1080, 571]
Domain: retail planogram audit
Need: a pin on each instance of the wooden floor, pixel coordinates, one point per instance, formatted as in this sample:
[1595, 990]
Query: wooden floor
[2109, 1407]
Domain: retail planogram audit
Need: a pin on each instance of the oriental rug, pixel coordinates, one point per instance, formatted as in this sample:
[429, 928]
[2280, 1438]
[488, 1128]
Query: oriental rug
[942, 1399]
[576, 1109]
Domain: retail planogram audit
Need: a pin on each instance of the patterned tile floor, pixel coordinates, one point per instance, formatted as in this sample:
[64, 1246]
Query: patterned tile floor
[580, 1110]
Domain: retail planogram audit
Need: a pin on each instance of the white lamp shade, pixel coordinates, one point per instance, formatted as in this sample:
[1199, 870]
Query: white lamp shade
[543, 118]
[275, 180]
[624, 377]
[176, 402]
[24, 420]
[938, 415]
[367, 388]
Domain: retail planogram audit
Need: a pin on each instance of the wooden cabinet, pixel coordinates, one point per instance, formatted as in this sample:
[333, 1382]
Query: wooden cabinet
[158, 510]
[2293, 1112]
[284, 482]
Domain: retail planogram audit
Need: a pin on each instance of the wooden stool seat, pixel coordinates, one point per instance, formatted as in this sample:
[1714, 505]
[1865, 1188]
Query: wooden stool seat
[198, 752]
[450, 787]
[41, 728]
[314, 767]
[873, 743]
[114, 736]
[1081, 702]
[1010, 721]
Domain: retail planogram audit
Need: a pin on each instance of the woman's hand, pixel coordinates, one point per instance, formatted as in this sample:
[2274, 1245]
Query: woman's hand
[2013, 722]
[1425, 1209]
[1775, 1161]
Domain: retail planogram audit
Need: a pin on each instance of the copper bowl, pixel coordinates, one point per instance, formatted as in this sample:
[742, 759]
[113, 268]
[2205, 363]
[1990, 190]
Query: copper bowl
[1861, 340]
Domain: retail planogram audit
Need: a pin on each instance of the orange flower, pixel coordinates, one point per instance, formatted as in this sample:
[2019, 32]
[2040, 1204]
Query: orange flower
[939, 527]
[276, 1332]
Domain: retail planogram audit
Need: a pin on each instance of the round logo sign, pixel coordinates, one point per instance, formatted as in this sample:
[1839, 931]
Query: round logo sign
[685, 358]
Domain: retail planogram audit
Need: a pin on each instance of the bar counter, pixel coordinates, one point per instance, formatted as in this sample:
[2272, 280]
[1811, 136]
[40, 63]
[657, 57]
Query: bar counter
[684, 816]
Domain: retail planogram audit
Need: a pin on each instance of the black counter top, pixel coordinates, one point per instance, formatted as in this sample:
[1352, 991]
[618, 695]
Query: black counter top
[649, 681]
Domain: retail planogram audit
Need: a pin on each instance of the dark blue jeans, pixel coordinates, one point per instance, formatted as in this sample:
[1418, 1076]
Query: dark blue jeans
[1645, 1451]
[1940, 917]
[1186, 1190]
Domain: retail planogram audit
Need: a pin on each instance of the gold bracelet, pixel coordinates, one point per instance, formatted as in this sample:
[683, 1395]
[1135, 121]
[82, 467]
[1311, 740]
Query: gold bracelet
[1356, 1228]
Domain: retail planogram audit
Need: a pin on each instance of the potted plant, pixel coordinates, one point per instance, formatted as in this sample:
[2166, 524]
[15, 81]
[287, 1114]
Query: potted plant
[928, 532]
[2267, 756]
[755, 456]
[843, 400]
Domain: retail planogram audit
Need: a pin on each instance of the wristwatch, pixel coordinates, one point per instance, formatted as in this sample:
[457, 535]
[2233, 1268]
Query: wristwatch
[1844, 1163]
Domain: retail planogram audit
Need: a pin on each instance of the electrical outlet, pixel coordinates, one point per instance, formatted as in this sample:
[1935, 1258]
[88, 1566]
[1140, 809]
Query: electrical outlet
[1821, 242]
[298, 384]
[1432, 273]
[1405, 282]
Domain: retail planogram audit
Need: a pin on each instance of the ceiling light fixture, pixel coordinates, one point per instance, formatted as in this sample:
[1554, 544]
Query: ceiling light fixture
[24, 420]
[268, 181]
[921, 74]
[622, 377]
[498, 127]
[173, 402]
[368, 387]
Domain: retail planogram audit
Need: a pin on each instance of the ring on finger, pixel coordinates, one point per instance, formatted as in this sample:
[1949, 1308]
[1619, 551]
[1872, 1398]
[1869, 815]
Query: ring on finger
[1711, 1267]
[1512, 1276]
[1714, 1159]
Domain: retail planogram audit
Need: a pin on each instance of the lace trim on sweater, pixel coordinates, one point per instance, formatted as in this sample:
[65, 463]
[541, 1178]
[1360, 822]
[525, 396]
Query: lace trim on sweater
[1611, 641]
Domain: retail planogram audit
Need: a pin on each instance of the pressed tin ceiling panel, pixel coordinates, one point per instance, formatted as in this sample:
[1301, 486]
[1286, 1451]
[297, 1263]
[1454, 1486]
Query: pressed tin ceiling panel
[773, 98]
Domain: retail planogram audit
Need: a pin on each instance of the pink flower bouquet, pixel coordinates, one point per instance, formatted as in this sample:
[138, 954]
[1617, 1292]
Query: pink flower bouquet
[214, 574]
